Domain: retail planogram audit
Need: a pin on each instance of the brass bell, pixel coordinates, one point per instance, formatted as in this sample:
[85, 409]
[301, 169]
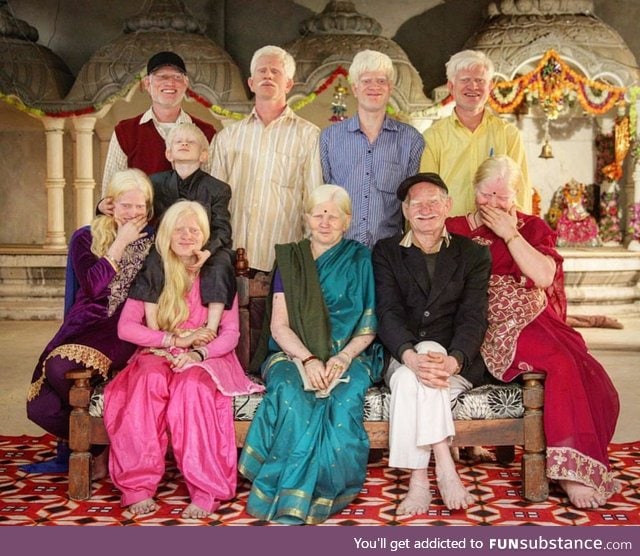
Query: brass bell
[546, 150]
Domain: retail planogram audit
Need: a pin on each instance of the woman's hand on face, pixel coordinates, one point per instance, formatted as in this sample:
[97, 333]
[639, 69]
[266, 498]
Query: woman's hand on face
[131, 230]
[503, 224]
[335, 368]
[202, 336]
[316, 372]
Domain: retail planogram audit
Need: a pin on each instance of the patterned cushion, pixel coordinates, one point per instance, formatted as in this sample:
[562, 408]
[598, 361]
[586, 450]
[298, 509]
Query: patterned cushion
[490, 402]
[485, 402]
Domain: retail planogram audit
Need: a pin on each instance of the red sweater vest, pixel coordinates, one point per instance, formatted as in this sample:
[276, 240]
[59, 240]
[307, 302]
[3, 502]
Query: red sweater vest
[144, 146]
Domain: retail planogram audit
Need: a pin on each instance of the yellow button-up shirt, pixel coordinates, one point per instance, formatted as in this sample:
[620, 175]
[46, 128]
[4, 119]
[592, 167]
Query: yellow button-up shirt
[455, 152]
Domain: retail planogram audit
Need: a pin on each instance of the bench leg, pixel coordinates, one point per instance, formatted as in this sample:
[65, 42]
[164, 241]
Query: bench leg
[79, 442]
[535, 485]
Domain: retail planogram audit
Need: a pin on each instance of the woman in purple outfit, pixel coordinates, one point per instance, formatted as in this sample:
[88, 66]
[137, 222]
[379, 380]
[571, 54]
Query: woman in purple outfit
[105, 258]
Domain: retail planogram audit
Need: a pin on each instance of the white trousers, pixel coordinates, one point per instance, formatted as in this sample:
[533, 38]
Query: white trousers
[419, 415]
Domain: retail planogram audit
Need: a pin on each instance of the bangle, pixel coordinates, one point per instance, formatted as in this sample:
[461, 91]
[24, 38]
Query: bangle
[198, 353]
[514, 236]
[344, 356]
[202, 352]
[310, 358]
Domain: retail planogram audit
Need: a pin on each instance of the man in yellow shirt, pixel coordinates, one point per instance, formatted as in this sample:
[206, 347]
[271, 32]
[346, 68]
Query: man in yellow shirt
[459, 143]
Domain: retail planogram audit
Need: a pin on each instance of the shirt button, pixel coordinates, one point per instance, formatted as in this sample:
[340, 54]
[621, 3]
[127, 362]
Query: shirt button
[426, 314]
[423, 333]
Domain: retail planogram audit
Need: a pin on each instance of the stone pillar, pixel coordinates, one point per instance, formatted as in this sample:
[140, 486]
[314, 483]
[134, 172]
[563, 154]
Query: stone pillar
[632, 186]
[54, 183]
[84, 182]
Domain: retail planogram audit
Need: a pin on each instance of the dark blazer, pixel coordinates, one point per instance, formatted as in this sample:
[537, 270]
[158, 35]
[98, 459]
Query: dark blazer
[452, 311]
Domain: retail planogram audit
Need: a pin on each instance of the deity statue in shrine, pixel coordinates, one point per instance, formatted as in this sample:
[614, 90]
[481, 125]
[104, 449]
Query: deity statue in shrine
[576, 227]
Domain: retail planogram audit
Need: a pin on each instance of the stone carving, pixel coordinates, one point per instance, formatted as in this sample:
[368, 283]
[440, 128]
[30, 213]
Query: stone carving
[333, 37]
[28, 70]
[540, 7]
[164, 25]
[518, 31]
[340, 17]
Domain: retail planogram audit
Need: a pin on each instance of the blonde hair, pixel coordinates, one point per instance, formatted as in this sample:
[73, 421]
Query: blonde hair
[288, 63]
[104, 227]
[329, 192]
[188, 127]
[466, 60]
[371, 60]
[172, 305]
[499, 166]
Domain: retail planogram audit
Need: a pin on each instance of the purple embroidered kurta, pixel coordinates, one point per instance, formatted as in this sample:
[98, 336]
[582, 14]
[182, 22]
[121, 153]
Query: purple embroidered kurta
[88, 337]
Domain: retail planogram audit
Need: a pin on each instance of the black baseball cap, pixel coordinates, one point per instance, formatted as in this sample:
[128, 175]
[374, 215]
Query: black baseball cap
[422, 177]
[165, 58]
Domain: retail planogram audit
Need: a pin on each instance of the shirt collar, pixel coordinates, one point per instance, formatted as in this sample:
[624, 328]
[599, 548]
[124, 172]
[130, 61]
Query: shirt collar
[286, 113]
[353, 123]
[183, 117]
[407, 240]
[485, 115]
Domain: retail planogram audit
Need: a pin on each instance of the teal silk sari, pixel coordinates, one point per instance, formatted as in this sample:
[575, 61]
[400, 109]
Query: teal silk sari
[307, 456]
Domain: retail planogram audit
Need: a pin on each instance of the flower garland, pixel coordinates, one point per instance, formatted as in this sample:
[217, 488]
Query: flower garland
[633, 227]
[554, 85]
[214, 108]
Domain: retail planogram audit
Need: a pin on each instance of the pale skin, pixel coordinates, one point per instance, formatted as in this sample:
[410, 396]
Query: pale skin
[470, 91]
[187, 155]
[372, 90]
[327, 224]
[185, 236]
[426, 208]
[496, 209]
[270, 84]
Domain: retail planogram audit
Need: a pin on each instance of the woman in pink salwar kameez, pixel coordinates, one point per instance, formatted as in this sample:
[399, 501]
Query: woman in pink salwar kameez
[180, 381]
[528, 332]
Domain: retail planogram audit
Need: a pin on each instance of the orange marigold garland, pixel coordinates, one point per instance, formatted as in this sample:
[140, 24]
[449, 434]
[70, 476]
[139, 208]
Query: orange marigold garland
[553, 84]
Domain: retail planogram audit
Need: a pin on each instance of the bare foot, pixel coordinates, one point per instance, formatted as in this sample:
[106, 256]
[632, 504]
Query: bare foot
[143, 507]
[417, 500]
[100, 465]
[194, 512]
[582, 496]
[454, 495]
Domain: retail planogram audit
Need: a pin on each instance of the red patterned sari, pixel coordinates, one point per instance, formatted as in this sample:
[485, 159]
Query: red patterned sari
[527, 332]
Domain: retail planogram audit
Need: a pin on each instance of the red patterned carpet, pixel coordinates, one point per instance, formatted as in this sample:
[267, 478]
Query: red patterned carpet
[41, 499]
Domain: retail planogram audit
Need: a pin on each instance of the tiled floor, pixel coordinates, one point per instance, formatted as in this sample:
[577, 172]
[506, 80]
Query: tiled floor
[22, 341]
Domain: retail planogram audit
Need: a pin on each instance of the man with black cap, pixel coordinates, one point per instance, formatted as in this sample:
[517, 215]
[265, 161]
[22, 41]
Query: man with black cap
[431, 291]
[139, 142]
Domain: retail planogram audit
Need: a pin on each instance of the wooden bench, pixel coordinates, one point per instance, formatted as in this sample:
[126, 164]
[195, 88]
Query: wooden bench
[526, 431]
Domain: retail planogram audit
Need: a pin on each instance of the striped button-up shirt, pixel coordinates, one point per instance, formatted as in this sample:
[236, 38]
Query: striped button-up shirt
[371, 173]
[271, 170]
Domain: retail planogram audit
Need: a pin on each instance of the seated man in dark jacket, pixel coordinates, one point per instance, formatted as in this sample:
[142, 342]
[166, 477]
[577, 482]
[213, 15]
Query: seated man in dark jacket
[431, 302]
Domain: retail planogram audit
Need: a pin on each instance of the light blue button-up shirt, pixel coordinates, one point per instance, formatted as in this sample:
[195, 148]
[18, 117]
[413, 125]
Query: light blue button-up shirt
[371, 173]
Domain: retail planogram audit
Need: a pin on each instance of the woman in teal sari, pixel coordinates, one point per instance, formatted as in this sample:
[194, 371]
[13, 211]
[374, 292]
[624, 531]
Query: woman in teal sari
[306, 450]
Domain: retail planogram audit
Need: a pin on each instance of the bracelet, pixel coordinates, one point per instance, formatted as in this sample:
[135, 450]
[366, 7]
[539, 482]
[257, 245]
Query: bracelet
[168, 338]
[310, 358]
[515, 236]
[344, 356]
[198, 353]
[202, 352]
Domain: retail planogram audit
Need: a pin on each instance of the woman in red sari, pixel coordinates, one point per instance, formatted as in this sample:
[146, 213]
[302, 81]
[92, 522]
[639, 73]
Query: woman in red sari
[527, 331]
